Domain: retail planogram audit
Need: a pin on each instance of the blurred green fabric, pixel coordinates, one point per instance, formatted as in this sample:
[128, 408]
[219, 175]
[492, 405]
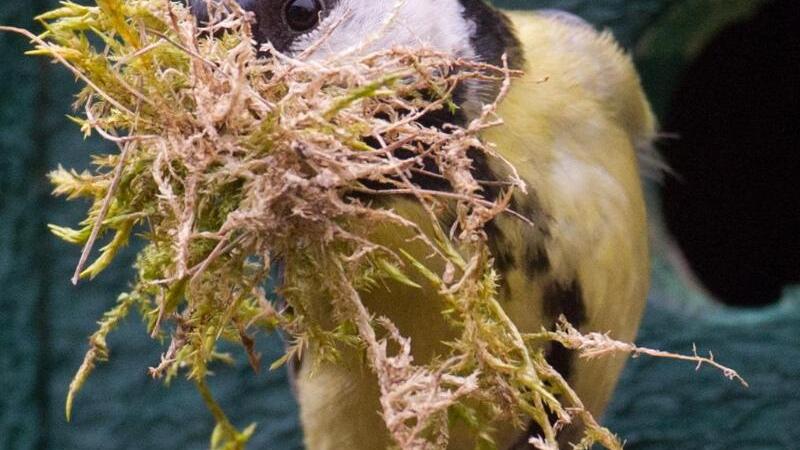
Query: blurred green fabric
[45, 321]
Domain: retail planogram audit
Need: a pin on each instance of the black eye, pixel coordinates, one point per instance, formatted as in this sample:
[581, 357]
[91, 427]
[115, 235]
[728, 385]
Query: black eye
[302, 15]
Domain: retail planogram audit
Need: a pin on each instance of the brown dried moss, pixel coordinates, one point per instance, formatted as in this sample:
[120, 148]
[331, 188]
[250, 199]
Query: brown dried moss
[228, 163]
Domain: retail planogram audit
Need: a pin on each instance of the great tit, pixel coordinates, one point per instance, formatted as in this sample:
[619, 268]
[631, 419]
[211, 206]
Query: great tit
[574, 123]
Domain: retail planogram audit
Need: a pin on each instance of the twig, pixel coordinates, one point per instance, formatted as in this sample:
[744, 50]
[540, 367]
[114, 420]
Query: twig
[593, 345]
[101, 215]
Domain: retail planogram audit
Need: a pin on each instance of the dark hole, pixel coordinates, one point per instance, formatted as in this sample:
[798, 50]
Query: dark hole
[734, 205]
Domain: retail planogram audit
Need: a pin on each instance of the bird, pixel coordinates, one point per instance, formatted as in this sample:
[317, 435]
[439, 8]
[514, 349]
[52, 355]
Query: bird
[576, 126]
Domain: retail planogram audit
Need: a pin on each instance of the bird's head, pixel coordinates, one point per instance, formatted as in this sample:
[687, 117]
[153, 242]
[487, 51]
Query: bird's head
[462, 28]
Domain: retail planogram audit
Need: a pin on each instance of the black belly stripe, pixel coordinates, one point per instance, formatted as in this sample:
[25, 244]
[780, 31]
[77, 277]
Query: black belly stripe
[537, 261]
[438, 119]
[504, 257]
[564, 299]
[567, 299]
[503, 254]
[532, 258]
[558, 299]
[535, 256]
[481, 169]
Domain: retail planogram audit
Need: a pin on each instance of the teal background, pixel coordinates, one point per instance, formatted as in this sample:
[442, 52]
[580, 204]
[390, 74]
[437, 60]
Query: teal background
[44, 321]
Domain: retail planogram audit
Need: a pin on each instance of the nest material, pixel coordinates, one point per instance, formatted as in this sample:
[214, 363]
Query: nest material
[229, 163]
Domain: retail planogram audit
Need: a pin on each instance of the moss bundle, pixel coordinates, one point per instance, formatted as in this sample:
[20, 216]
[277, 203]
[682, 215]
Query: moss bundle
[230, 164]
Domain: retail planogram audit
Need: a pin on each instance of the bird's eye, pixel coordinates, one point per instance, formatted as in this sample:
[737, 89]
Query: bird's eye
[302, 15]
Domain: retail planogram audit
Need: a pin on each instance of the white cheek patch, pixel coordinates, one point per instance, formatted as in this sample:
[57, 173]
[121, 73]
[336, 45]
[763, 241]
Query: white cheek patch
[363, 26]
